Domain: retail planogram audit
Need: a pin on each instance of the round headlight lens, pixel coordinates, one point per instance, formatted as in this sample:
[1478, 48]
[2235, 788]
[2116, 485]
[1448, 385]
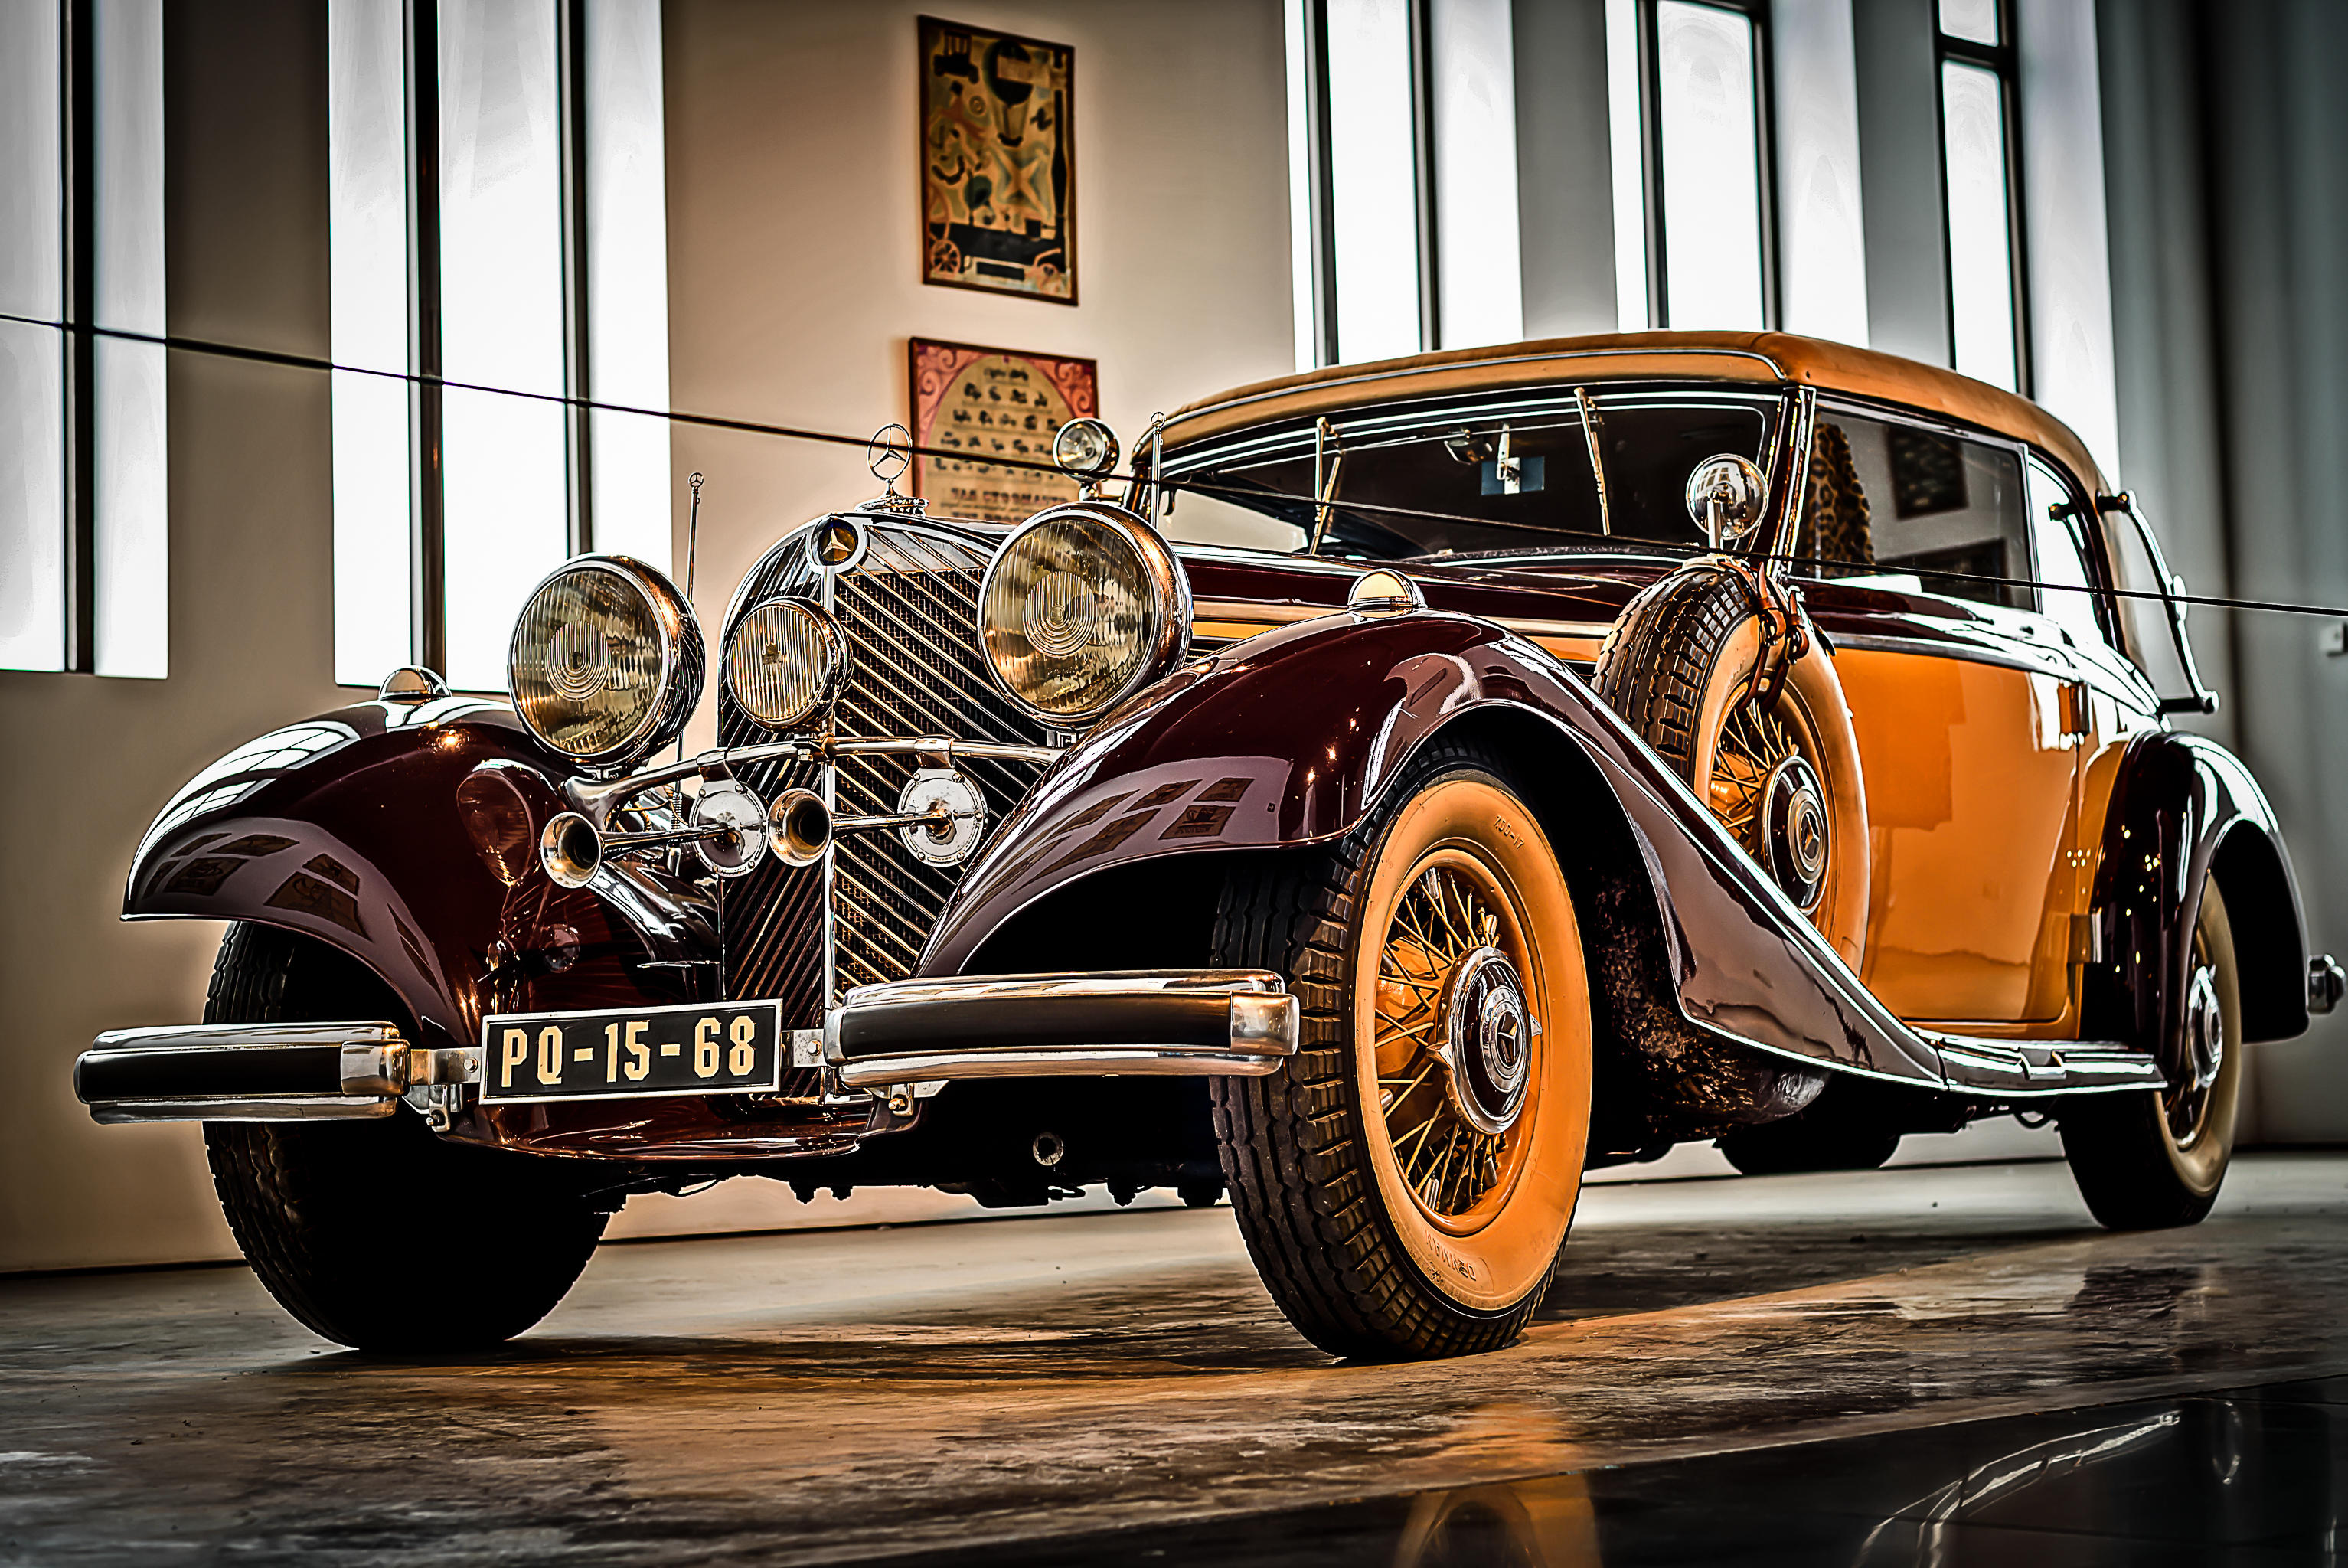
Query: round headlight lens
[1078, 609]
[783, 662]
[605, 663]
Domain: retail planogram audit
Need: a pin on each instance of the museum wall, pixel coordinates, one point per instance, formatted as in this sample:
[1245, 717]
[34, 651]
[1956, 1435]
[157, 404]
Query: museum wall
[2227, 191]
[794, 272]
[88, 760]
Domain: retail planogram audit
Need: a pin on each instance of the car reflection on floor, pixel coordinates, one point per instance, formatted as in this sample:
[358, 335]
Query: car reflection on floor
[2253, 1474]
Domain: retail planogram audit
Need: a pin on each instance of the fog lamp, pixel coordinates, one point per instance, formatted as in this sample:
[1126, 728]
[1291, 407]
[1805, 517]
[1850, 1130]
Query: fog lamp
[783, 662]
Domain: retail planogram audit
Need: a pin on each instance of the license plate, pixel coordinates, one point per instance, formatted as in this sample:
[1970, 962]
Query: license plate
[732, 1048]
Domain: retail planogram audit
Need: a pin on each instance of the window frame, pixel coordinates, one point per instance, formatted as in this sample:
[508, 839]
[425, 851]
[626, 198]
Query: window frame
[1651, 158]
[2003, 60]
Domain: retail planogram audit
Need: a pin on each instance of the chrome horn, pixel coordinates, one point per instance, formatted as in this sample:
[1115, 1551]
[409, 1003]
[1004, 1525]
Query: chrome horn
[798, 827]
[570, 849]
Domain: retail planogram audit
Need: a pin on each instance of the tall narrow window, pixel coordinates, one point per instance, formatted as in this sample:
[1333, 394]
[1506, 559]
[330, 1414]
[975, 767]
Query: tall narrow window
[1981, 176]
[32, 345]
[627, 273]
[84, 502]
[130, 579]
[1695, 248]
[507, 507]
[1374, 194]
[532, 269]
[1481, 296]
[368, 250]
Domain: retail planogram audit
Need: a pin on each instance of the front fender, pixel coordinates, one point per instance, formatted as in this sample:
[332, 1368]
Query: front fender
[1290, 737]
[349, 827]
[2183, 808]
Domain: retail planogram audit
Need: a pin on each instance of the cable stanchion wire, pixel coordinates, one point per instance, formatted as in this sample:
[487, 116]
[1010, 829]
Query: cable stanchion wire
[1563, 540]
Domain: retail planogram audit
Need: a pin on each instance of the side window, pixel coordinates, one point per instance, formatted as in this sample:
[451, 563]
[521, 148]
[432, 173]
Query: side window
[2060, 549]
[1916, 508]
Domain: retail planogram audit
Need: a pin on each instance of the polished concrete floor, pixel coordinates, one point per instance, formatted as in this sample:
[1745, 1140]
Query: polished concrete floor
[1917, 1366]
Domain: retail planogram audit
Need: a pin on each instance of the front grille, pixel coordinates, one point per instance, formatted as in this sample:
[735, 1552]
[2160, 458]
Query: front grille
[914, 667]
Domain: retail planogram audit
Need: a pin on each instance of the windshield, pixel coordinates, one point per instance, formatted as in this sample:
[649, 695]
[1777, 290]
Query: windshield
[1497, 475]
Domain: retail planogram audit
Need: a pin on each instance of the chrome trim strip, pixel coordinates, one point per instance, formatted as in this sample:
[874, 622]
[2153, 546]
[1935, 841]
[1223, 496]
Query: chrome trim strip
[318, 1108]
[1107, 983]
[257, 1037]
[1098, 1061]
[1975, 652]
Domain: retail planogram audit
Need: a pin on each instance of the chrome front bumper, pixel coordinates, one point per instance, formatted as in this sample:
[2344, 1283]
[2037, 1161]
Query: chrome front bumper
[1208, 1023]
[1186, 1023]
[263, 1072]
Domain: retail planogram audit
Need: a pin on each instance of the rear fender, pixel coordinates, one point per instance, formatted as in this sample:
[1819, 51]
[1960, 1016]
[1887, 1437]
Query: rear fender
[1291, 738]
[406, 836]
[2183, 808]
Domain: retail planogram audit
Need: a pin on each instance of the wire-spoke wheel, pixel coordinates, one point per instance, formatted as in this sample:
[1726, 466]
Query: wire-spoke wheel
[1782, 774]
[1405, 1180]
[2149, 1160]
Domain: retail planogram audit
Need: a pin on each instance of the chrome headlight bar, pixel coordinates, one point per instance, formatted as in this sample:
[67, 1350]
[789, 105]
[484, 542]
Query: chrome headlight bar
[731, 830]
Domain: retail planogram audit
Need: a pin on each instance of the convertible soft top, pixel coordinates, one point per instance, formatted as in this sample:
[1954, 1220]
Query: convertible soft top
[1771, 357]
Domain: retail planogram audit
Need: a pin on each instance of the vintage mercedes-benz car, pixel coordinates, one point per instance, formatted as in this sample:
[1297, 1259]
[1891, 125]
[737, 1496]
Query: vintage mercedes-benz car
[1566, 750]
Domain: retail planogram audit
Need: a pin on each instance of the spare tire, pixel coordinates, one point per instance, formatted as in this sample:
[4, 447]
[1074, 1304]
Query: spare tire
[1781, 774]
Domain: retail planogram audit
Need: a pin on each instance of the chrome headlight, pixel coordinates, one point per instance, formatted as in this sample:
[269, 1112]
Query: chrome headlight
[783, 662]
[606, 660]
[1081, 606]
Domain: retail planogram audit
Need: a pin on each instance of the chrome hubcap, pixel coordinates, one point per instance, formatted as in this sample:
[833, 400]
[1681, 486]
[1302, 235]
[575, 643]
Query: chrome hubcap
[2205, 1028]
[1793, 830]
[1487, 1041]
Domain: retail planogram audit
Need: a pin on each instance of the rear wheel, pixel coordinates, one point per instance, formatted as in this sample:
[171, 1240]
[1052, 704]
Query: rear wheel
[2146, 1161]
[1405, 1180]
[376, 1234]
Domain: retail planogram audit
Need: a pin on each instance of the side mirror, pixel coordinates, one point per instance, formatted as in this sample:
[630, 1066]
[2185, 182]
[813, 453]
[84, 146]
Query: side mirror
[1726, 496]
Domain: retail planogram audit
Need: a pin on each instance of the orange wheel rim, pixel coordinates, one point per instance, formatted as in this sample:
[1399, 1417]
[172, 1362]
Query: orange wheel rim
[1472, 1042]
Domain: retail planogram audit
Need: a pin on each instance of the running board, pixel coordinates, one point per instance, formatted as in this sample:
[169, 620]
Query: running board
[2009, 1070]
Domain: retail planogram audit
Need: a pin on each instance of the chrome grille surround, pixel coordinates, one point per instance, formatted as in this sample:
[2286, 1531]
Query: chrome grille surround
[862, 915]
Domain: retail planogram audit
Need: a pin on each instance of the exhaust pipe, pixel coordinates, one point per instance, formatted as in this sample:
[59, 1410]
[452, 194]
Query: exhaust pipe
[798, 827]
[570, 849]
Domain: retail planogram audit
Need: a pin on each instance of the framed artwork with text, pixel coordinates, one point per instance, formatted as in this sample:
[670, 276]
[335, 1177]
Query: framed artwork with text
[994, 404]
[998, 163]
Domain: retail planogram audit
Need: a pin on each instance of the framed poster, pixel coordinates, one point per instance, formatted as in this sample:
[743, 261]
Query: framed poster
[994, 402]
[998, 163]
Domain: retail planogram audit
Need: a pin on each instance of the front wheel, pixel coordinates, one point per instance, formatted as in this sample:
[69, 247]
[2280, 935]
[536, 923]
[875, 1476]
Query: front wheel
[1405, 1181]
[377, 1234]
[2147, 1161]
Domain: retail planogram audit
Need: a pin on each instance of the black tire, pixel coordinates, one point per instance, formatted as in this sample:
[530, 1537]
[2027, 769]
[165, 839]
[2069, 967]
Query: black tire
[1296, 1147]
[2135, 1167]
[1658, 658]
[377, 1234]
